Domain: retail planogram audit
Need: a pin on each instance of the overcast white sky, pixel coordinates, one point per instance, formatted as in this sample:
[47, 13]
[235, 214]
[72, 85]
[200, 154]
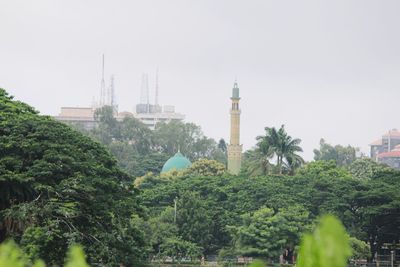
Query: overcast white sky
[326, 69]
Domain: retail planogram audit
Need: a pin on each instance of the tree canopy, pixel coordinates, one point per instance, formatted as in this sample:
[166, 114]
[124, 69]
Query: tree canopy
[340, 154]
[139, 150]
[58, 187]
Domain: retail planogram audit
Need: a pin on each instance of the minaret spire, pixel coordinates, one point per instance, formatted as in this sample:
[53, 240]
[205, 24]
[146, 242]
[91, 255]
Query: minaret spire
[234, 147]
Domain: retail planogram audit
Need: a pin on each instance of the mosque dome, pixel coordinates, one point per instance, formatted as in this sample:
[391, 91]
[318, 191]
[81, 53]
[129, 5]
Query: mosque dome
[178, 162]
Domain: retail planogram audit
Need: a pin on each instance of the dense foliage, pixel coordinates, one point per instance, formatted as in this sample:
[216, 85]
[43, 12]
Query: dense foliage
[260, 216]
[340, 154]
[140, 150]
[276, 145]
[12, 256]
[328, 246]
[58, 187]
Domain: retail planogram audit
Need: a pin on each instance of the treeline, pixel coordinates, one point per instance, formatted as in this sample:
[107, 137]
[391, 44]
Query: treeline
[140, 150]
[262, 215]
[59, 187]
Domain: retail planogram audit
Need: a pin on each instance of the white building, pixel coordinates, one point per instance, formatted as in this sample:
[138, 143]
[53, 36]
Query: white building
[84, 117]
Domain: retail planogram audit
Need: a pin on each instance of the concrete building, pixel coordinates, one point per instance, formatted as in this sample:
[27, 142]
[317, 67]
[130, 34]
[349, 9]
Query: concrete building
[84, 117]
[154, 114]
[81, 117]
[234, 147]
[149, 114]
[387, 149]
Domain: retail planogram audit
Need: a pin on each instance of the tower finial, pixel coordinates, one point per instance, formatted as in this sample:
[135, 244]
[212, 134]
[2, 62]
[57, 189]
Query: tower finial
[235, 90]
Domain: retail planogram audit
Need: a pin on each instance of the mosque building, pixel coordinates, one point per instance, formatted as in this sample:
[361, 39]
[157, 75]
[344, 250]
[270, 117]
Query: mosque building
[180, 162]
[177, 162]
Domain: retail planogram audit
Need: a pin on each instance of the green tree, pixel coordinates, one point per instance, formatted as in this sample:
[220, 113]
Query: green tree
[343, 156]
[206, 167]
[366, 168]
[222, 145]
[328, 246]
[186, 137]
[266, 233]
[194, 220]
[56, 181]
[257, 162]
[179, 249]
[360, 249]
[278, 143]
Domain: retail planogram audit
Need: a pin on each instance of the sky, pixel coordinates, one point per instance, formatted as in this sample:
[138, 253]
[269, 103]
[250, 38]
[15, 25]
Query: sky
[324, 69]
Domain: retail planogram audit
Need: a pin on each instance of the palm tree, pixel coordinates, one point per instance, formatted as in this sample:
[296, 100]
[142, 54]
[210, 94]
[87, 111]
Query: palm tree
[293, 162]
[283, 146]
[256, 163]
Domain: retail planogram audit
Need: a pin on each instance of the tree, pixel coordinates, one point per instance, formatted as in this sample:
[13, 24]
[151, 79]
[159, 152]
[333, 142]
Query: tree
[206, 167]
[179, 249]
[328, 246]
[107, 129]
[266, 233]
[255, 162]
[360, 249]
[12, 256]
[56, 181]
[222, 145]
[193, 220]
[186, 137]
[278, 143]
[366, 168]
[343, 156]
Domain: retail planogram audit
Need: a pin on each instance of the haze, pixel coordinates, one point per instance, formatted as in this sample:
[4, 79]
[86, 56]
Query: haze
[325, 69]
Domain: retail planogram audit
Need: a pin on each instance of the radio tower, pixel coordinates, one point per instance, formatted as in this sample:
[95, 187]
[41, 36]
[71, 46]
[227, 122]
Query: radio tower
[156, 100]
[102, 87]
[112, 97]
[144, 94]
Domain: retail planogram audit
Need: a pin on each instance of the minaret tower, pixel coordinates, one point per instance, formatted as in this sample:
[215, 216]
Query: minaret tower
[234, 147]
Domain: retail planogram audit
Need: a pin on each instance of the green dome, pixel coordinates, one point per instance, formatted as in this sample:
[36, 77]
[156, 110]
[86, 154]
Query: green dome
[178, 162]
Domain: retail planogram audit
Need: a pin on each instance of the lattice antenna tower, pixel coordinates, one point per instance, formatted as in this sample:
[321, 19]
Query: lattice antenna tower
[156, 96]
[144, 94]
[113, 98]
[102, 87]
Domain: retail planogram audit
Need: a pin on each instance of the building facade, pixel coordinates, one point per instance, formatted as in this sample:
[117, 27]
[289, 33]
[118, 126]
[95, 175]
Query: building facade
[386, 150]
[234, 147]
[153, 114]
[83, 117]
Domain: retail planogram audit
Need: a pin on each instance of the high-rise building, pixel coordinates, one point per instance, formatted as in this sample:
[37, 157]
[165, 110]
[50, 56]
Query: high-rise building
[387, 149]
[234, 147]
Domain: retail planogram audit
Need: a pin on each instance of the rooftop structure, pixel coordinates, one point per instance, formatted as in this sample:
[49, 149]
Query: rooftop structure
[177, 162]
[387, 149]
[149, 114]
[83, 117]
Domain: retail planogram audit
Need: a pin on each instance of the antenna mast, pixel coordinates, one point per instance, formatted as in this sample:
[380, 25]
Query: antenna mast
[144, 94]
[102, 87]
[113, 101]
[156, 100]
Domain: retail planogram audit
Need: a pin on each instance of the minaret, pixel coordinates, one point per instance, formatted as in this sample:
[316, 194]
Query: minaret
[234, 147]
